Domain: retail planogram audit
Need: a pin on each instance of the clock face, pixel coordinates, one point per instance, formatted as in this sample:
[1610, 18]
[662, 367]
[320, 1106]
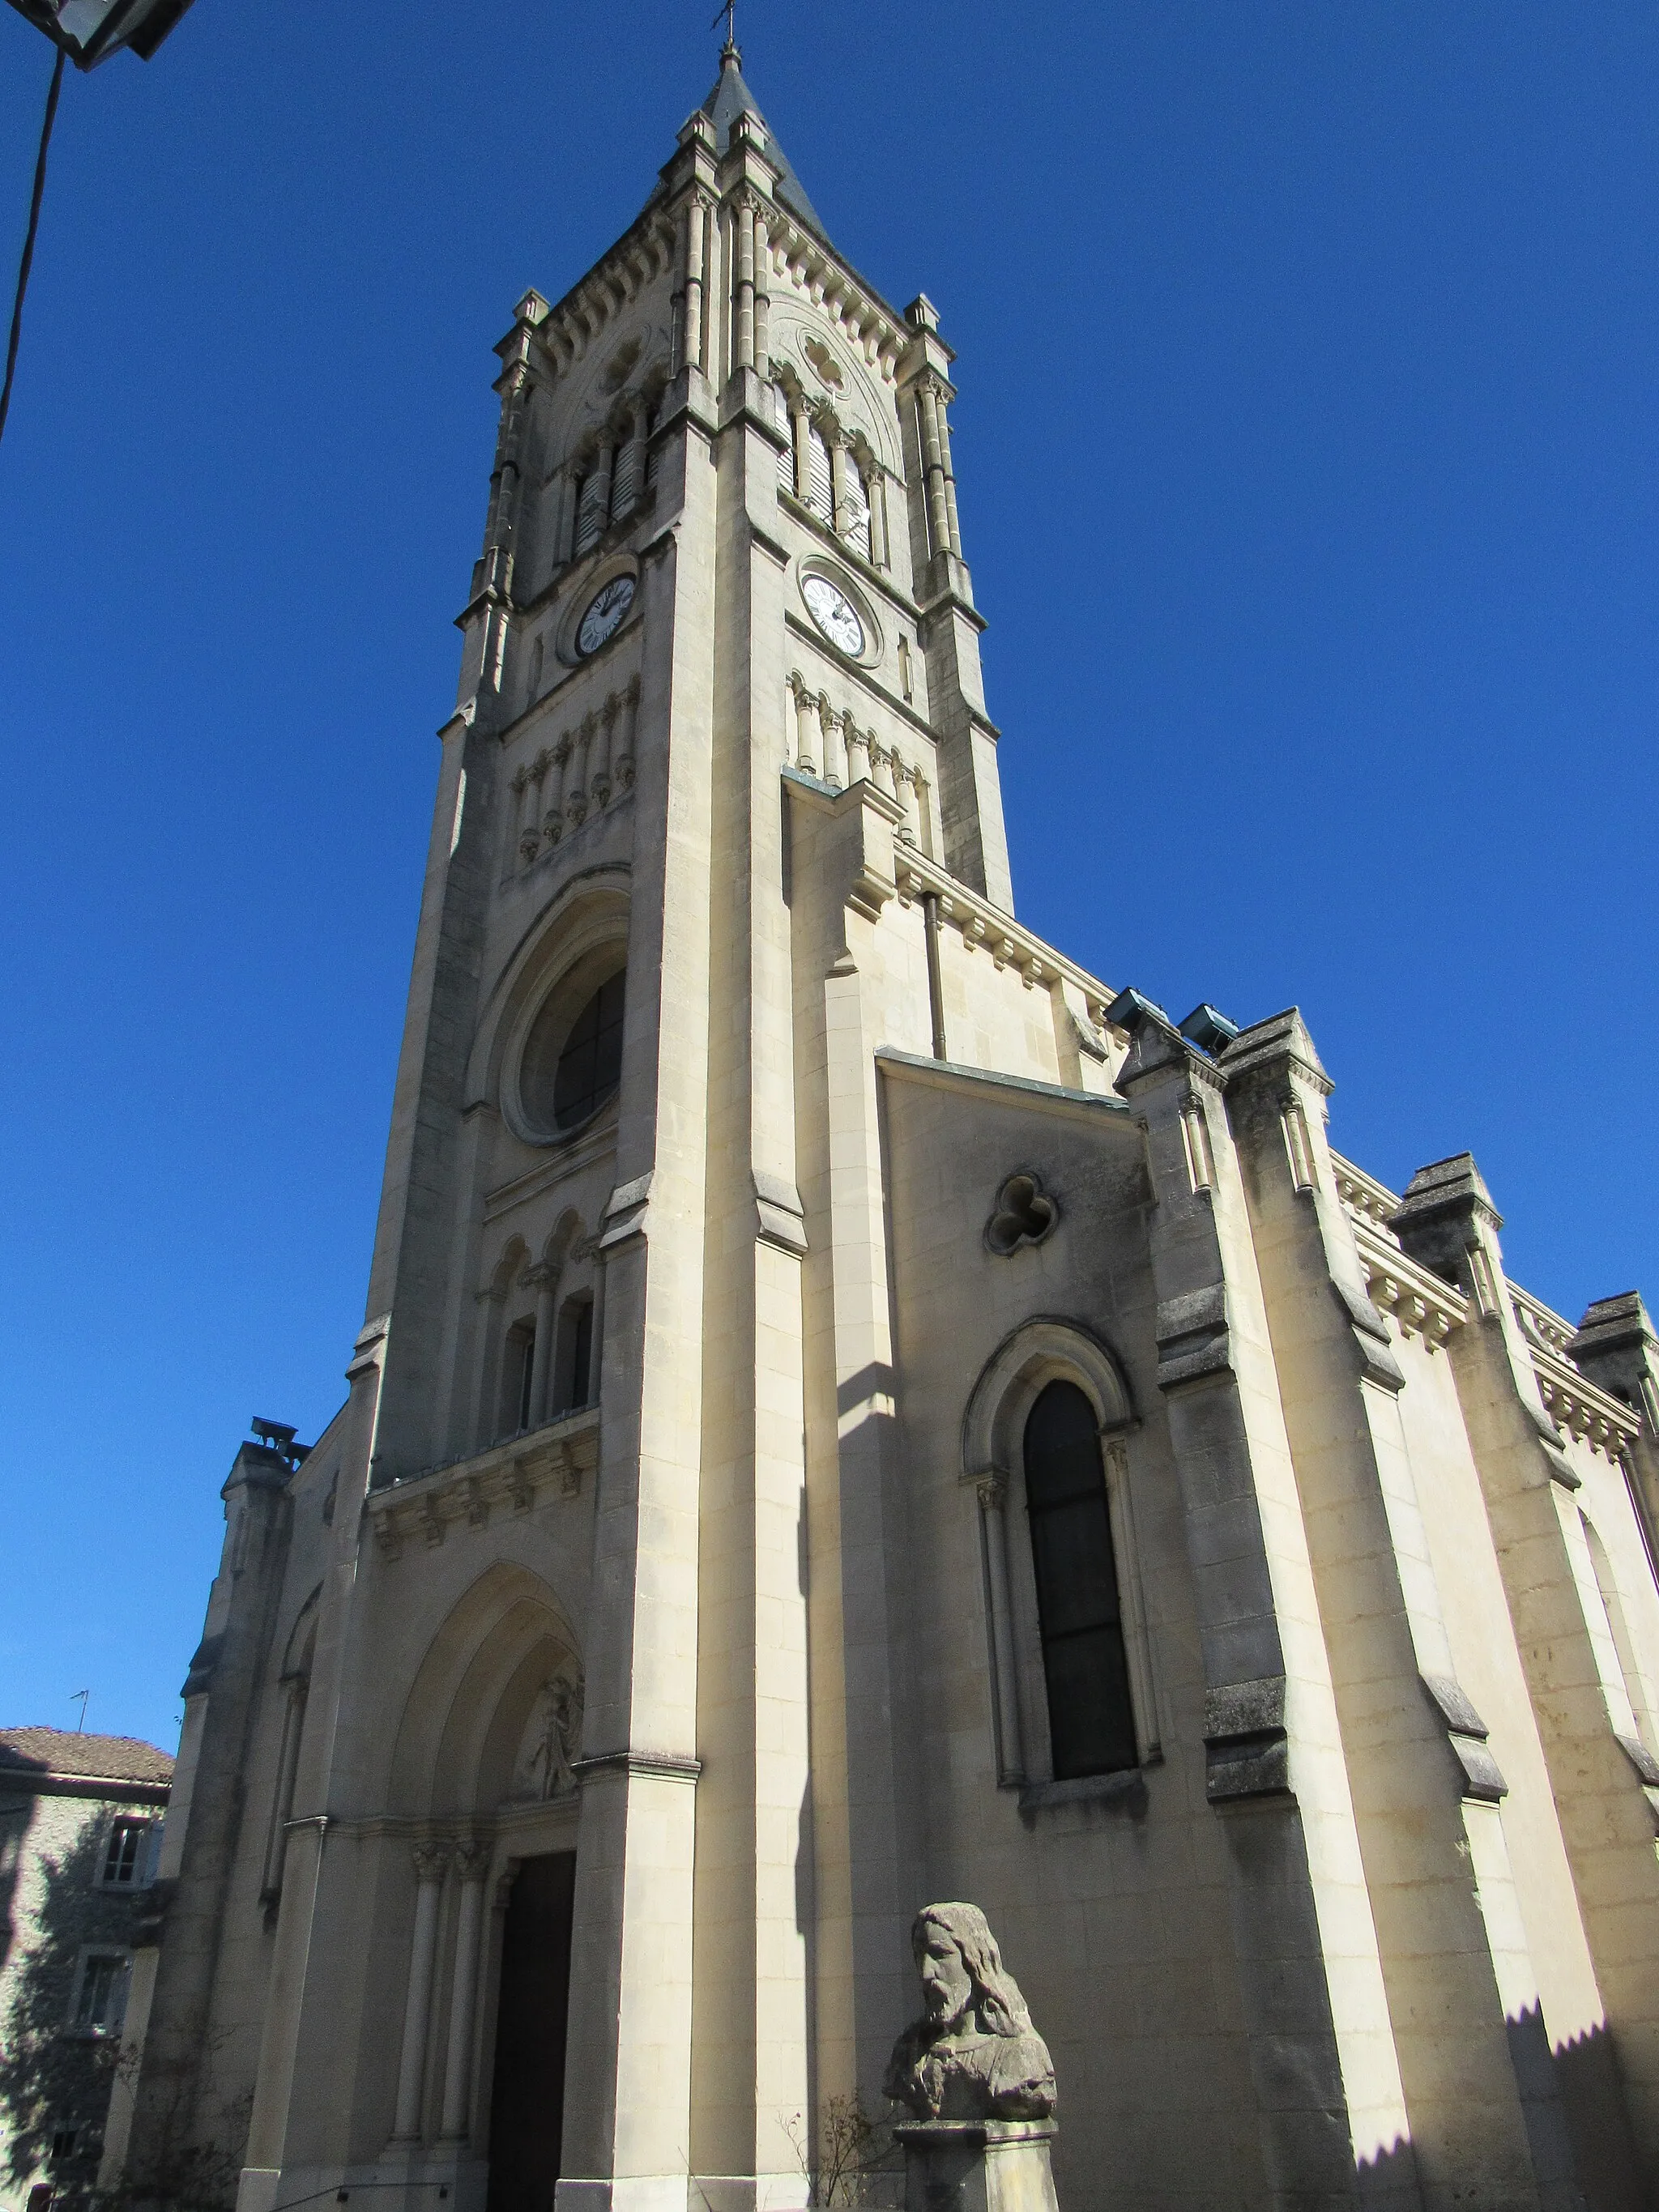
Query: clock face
[607, 610]
[834, 613]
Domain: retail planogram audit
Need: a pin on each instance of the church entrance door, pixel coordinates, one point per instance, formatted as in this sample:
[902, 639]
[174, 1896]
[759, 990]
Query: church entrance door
[526, 2107]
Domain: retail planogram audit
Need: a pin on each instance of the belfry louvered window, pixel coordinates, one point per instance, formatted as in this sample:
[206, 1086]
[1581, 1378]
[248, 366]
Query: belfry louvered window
[820, 477]
[854, 520]
[591, 509]
[625, 485]
[1085, 1664]
[787, 457]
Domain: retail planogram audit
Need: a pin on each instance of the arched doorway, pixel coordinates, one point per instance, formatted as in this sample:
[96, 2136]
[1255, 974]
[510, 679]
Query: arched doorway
[526, 2104]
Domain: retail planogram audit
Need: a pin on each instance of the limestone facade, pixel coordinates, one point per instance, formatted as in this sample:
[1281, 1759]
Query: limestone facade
[855, 1409]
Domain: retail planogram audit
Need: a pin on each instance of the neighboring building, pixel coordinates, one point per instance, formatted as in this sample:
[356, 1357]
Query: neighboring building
[79, 1830]
[855, 1411]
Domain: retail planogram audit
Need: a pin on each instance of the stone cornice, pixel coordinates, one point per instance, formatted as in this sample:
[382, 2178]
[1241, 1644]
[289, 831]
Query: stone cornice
[986, 928]
[465, 1492]
[1365, 1198]
[657, 1766]
[568, 331]
[836, 288]
[1578, 1408]
[1539, 1324]
[1416, 1297]
[950, 1075]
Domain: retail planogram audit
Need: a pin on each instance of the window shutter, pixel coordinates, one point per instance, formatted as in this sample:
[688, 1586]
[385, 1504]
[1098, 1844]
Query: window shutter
[820, 483]
[786, 457]
[624, 487]
[590, 512]
[855, 522]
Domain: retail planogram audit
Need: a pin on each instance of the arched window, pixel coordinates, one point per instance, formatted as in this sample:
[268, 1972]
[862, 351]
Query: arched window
[1086, 1667]
[573, 1358]
[571, 1069]
[590, 1065]
[517, 1370]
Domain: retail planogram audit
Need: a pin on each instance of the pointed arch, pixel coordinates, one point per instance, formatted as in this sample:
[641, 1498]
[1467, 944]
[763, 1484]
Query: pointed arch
[474, 1694]
[1032, 1564]
[585, 915]
[1044, 1349]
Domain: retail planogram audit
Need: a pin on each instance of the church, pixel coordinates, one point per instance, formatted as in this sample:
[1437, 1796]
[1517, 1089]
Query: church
[855, 1409]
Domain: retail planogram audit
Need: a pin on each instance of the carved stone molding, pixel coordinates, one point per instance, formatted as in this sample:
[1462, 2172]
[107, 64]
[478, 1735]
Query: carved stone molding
[549, 1462]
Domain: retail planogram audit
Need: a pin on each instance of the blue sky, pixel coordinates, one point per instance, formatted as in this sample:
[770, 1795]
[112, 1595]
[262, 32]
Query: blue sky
[1307, 451]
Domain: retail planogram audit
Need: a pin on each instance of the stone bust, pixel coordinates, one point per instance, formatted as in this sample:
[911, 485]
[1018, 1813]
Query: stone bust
[973, 2055]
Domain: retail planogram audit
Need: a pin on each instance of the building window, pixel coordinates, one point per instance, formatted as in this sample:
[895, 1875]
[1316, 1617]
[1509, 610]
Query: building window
[101, 1993]
[64, 2141]
[592, 508]
[820, 476]
[590, 1065]
[787, 450]
[1084, 1665]
[574, 1359]
[517, 1375]
[125, 1855]
[853, 523]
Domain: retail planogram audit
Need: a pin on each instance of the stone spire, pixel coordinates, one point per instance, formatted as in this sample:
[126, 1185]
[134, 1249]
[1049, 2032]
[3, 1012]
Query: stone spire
[731, 98]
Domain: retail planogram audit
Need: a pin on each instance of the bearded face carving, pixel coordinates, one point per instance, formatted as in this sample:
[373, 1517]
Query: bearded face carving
[974, 2054]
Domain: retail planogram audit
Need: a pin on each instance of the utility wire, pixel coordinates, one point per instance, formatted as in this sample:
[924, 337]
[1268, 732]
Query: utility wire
[28, 256]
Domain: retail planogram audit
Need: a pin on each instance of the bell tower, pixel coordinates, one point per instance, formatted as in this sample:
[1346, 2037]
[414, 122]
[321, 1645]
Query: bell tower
[719, 648]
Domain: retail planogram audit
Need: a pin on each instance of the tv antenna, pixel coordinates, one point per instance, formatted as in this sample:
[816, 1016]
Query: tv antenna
[80, 1726]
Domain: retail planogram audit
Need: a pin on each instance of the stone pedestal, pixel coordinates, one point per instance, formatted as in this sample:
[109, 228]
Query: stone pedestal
[977, 2165]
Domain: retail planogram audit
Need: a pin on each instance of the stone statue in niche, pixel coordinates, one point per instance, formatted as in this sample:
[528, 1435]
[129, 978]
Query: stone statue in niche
[973, 2055]
[552, 1741]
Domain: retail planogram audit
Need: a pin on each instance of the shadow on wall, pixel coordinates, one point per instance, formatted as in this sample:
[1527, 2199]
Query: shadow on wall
[1598, 2119]
[15, 1820]
[54, 2083]
[1390, 2182]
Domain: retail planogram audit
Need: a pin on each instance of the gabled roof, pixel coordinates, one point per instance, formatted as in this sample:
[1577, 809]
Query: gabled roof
[41, 1750]
[731, 98]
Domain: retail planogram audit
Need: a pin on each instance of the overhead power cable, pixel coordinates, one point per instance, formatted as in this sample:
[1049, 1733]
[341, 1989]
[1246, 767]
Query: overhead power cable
[28, 241]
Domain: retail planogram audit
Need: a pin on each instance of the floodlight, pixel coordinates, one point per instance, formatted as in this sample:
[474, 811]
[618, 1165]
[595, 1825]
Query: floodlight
[91, 31]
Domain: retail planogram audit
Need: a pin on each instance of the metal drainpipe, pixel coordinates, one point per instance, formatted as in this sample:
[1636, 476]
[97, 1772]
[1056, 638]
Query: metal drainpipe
[935, 982]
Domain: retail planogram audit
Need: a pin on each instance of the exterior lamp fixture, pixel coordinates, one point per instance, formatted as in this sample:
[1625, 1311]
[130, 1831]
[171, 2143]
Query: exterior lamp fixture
[88, 31]
[91, 31]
